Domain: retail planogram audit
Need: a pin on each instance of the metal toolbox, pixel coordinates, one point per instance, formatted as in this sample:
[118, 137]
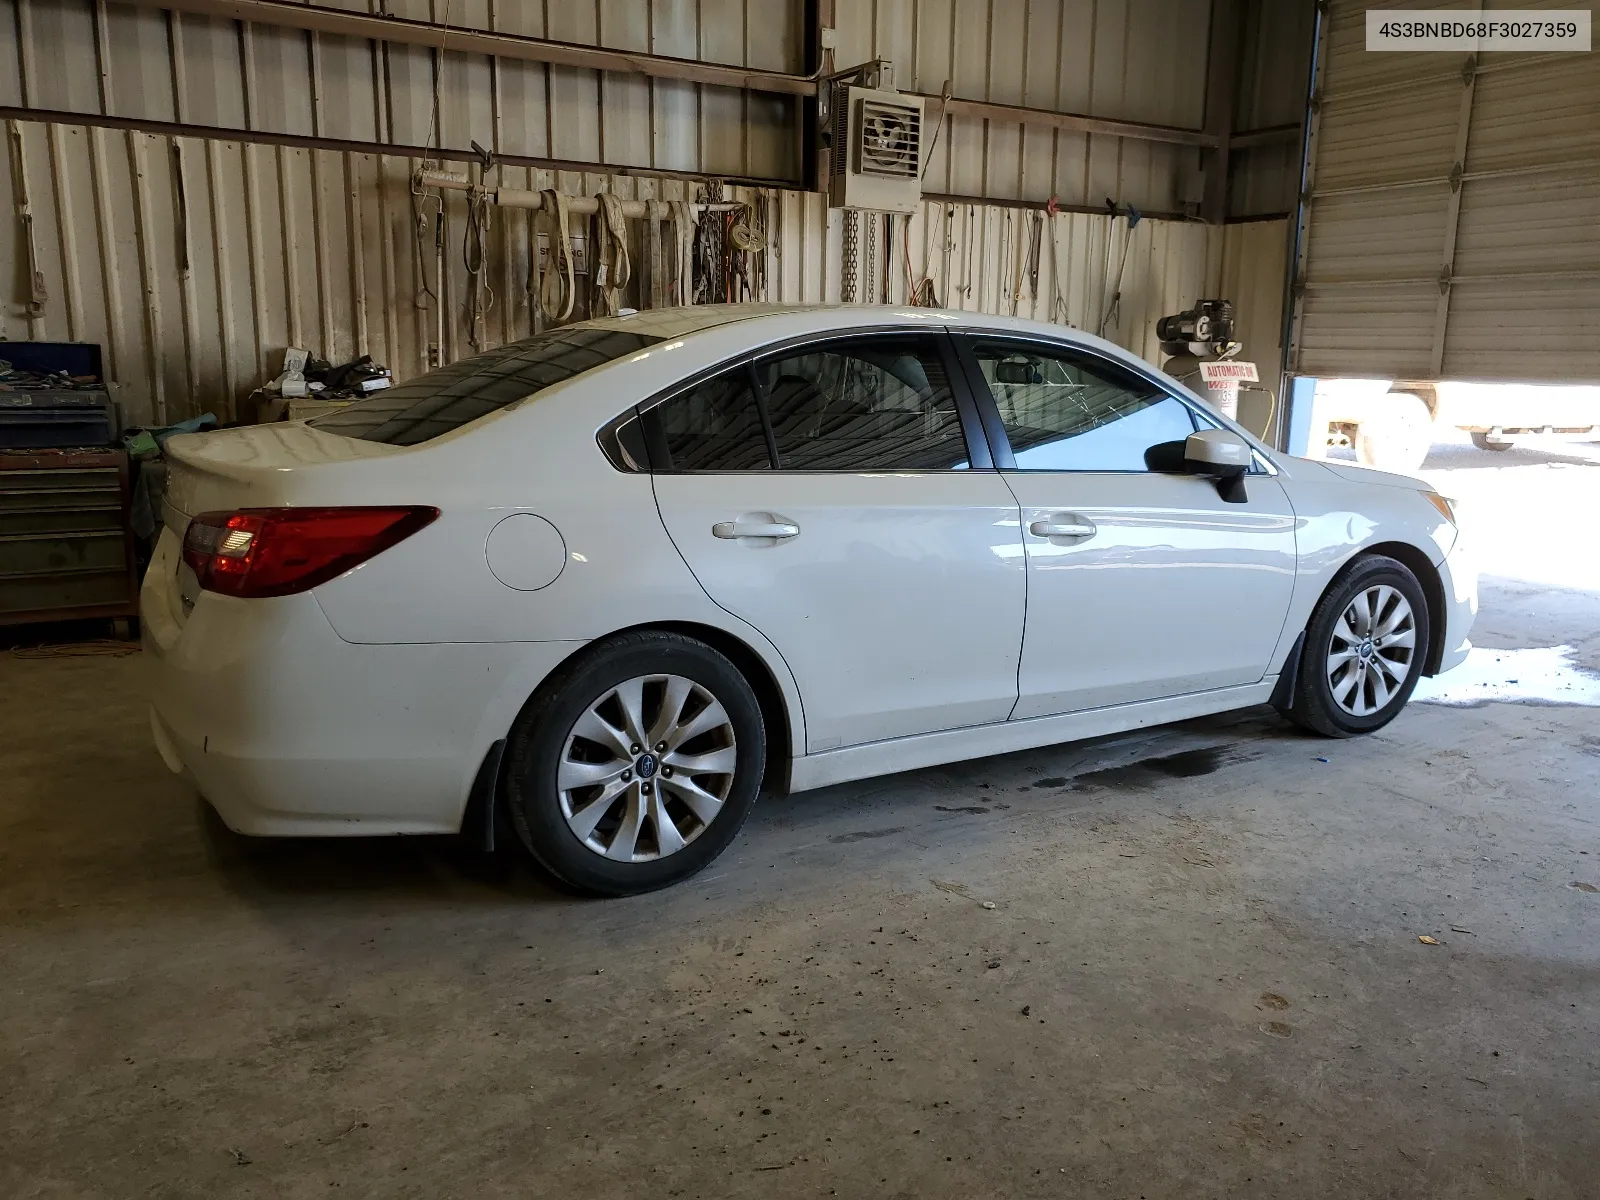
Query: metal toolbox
[56, 417]
[66, 550]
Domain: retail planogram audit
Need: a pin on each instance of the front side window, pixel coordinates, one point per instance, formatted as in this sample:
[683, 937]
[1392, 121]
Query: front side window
[715, 426]
[870, 404]
[1068, 412]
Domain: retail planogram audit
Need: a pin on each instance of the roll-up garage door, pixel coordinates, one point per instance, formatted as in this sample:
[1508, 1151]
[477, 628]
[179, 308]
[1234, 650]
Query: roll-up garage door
[1452, 227]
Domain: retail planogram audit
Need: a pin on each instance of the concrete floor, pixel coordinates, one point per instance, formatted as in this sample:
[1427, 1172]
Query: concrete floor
[1183, 964]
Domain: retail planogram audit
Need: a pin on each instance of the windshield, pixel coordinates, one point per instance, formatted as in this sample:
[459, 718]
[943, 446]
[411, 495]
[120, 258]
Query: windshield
[446, 399]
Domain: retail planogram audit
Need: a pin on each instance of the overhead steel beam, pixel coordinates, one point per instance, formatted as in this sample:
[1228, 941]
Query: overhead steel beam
[1222, 86]
[408, 32]
[1077, 122]
[262, 137]
[1271, 135]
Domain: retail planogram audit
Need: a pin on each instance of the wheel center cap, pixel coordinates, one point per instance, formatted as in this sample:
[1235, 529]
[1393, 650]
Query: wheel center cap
[646, 765]
[1366, 649]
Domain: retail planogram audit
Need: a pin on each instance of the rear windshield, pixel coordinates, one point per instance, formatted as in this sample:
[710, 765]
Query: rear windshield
[446, 399]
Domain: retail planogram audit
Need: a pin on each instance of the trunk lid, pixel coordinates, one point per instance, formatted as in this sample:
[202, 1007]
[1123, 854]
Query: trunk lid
[250, 467]
[255, 466]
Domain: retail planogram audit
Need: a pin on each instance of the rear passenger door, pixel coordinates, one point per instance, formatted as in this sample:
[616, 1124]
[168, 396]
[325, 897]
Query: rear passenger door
[1141, 584]
[838, 496]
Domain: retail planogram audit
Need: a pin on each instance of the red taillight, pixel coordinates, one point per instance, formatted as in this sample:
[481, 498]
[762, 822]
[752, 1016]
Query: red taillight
[279, 551]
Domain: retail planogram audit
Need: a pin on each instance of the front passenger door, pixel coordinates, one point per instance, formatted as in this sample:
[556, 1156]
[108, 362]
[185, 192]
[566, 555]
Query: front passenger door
[1140, 584]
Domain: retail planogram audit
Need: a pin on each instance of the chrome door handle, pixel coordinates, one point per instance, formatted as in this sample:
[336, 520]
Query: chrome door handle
[755, 525]
[1075, 527]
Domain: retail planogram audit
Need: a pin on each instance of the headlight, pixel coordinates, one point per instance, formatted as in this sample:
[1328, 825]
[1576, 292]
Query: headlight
[1446, 506]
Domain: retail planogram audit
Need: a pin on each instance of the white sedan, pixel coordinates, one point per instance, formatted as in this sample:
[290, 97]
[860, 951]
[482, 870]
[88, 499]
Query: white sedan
[601, 585]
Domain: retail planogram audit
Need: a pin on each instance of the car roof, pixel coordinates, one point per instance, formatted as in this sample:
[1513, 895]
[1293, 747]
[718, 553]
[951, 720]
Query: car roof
[669, 323]
[680, 322]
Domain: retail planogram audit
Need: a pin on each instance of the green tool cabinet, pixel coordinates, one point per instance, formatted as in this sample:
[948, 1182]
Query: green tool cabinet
[66, 549]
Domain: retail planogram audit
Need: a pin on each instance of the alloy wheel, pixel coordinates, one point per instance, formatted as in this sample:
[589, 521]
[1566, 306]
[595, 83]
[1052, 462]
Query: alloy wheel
[647, 767]
[1372, 651]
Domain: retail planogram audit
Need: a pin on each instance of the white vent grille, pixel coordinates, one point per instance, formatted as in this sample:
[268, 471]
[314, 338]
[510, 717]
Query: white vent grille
[876, 155]
[891, 139]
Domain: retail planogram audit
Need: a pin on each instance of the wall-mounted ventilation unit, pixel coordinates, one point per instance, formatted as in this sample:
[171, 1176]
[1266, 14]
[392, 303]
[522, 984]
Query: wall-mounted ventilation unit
[877, 151]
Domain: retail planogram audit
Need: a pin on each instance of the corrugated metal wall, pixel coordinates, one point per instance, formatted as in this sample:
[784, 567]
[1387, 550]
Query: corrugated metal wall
[1453, 229]
[117, 60]
[1137, 60]
[1274, 78]
[982, 258]
[1254, 262]
[195, 260]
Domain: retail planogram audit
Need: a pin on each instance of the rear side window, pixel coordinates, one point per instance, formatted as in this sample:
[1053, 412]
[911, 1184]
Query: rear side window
[878, 404]
[715, 426]
[436, 403]
[1065, 412]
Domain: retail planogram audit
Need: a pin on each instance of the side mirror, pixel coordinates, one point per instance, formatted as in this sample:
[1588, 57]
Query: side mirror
[1224, 456]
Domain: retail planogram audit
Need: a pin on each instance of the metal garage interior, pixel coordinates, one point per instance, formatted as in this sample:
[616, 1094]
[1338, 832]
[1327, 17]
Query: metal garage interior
[1213, 959]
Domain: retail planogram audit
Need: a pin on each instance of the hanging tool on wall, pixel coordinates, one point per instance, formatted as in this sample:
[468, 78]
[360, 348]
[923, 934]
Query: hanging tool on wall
[19, 182]
[761, 227]
[748, 244]
[1060, 311]
[684, 235]
[1112, 313]
[438, 284]
[888, 258]
[656, 212]
[613, 269]
[710, 267]
[921, 292]
[1009, 287]
[1035, 235]
[474, 247]
[558, 285]
[966, 282]
[422, 197]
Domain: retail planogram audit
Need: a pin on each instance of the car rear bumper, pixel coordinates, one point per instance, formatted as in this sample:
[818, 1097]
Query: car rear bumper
[288, 730]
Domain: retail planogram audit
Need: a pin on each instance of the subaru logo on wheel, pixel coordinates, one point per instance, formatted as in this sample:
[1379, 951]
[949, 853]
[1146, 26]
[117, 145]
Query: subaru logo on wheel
[647, 765]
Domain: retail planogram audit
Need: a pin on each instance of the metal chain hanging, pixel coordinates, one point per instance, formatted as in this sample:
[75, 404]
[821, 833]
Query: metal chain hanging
[847, 255]
[870, 295]
[710, 252]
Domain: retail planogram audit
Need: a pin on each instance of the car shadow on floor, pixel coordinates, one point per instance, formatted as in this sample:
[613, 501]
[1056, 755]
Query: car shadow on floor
[277, 872]
[422, 868]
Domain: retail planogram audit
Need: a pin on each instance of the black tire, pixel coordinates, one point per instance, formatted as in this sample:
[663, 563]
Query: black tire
[1483, 442]
[1314, 706]
[539, 739]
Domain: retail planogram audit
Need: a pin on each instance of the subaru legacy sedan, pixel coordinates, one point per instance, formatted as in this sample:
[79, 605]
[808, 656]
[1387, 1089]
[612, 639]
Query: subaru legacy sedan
[603, 586]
